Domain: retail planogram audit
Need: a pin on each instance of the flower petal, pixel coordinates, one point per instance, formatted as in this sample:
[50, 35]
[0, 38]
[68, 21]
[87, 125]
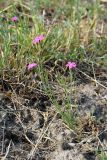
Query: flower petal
[38, 39]
[31, 66]
[71, 65]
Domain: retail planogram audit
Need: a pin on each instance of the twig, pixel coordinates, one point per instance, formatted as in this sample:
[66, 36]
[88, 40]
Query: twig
[94, 80]
[5, 9]
[8, 148]
[93, 71]
[3, 139]
[40, 138]
[29, 140]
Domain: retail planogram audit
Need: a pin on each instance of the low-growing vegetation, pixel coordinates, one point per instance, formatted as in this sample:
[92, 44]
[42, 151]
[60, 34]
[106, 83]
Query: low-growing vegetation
[53, 80]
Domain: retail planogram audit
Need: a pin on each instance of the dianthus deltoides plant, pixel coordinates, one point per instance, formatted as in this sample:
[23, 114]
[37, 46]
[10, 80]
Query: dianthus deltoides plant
[38, 41]
[35, 62]
[45, 47]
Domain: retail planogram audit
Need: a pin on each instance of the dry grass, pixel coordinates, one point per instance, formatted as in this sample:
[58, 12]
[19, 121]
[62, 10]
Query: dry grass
[53, 112]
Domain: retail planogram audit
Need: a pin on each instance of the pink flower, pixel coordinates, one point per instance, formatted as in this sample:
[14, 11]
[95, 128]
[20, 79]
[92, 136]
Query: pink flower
[38, 39]
[14, 19]
[31, 66]
[71, 65]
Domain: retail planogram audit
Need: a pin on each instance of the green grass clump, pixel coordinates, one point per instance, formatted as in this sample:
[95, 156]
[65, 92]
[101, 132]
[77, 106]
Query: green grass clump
[103, 156]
